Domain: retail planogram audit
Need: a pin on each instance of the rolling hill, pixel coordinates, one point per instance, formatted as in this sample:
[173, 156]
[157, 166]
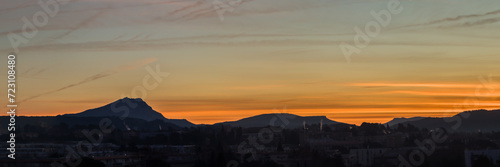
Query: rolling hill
[278, 119]
[468, 121]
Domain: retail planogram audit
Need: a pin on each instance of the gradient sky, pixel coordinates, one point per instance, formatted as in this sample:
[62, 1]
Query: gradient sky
[262, 57]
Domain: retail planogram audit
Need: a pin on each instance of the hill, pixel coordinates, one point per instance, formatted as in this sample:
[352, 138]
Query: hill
[130, 108]
[470, 121]
[278, 119]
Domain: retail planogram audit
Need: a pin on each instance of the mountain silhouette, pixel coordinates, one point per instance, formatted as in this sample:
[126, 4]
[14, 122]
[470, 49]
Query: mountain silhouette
[122, 124]
[396, 121]
[130, 108]
[135, 113]
[470, 121]
[279, 119]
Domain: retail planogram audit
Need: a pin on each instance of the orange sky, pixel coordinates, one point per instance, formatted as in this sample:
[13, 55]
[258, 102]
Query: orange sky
[429, 60]
[379, 102]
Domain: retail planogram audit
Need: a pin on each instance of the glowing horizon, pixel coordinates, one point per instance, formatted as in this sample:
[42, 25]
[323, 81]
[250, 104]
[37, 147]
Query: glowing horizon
[431, 59]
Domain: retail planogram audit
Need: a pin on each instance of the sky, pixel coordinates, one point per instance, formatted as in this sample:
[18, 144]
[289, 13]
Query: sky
[430, 58]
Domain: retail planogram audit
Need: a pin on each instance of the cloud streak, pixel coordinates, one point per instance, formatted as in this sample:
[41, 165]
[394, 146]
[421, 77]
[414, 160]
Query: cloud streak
[463, 20]
[432, 85]
[122, 68]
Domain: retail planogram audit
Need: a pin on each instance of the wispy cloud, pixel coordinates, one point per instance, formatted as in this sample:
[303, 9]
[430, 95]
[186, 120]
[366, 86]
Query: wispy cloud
[431, 85]
[118, 69]
[257, 87]
[462, 20]
[82, 24]
[462, 94]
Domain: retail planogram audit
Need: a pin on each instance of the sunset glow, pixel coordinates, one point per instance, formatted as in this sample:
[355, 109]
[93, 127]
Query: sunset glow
[259, 59]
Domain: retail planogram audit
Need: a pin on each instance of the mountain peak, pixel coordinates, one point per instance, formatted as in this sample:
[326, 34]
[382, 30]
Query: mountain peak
[131, 99]
[129, 107]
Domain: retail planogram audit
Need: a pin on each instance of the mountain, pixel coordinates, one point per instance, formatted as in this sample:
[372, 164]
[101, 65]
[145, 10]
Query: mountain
[130, 108]
[122, 124]
[471, 121]
[396, 121]
[278, 119]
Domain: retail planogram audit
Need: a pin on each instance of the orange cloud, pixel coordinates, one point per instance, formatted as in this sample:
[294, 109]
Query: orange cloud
[432, 85]
[470, 93]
